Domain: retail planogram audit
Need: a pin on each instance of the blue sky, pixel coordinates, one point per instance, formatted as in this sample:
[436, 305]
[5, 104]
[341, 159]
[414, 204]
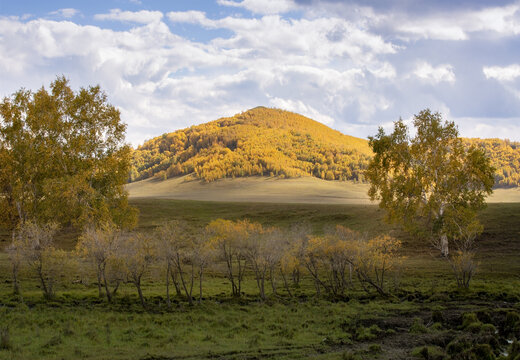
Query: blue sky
[353, 65]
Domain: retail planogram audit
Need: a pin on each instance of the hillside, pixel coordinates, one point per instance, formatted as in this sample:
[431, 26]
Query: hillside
[261, 141]
[273, 142]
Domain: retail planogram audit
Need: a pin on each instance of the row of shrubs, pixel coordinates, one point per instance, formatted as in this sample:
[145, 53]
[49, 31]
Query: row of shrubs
[278, 258]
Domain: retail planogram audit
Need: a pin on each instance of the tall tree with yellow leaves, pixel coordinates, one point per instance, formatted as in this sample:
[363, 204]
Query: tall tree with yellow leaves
[63, 158]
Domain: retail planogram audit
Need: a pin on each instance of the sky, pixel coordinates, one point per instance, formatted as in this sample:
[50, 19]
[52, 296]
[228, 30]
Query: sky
[352, 65]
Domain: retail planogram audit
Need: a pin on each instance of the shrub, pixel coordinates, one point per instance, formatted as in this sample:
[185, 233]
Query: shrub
[375, 349]
[418, 326]
[469, 319]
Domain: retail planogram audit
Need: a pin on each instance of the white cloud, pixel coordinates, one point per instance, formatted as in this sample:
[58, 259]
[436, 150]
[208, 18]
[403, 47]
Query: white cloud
[141, 17]
[434, 75]
[505, 73]
[299, 107]
[480, 127]
[190, 17]
[262, 6]
[66, 13]
[334, 69]
[459, 25]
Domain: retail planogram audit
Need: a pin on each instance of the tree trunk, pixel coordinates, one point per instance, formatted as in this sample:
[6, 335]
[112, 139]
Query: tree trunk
[168, 301]
[444, 245]
[47, 290]
[16, 286]
[273, 281]
[107, 290]
[173, 274]
[183, 282]
[100, 289]
[140, 292]
[200, 284]
[285, 284]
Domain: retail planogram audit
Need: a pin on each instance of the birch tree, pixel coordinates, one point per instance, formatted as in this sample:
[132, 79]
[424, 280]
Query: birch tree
[431, 181]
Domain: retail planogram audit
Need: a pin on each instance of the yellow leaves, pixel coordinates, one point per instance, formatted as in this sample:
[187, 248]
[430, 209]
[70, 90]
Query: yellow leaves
[65, 155]
[258, 142]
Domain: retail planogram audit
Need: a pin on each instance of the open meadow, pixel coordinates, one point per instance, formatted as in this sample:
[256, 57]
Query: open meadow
[427, 316]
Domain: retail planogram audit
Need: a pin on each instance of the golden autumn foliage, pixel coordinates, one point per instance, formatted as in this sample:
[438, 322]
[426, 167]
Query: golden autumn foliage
[505, 158]
[261, 141]
[273, 142]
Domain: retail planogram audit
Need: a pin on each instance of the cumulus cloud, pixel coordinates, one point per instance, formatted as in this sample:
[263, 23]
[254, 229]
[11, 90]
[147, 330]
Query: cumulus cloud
[434, 75]
[459, 25]
[262, 6]
[502, 73]
[141, 17]
[65, 13]
[350, 71]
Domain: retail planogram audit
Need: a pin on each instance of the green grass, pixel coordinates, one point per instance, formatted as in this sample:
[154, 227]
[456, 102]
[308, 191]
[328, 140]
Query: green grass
[79, 325]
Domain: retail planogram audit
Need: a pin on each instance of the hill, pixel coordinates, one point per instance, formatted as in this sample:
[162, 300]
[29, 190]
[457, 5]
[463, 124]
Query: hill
[261, 141]
[273, 142]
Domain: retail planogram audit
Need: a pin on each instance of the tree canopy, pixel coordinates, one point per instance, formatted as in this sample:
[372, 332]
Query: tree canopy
[63, 157]
[432, 184]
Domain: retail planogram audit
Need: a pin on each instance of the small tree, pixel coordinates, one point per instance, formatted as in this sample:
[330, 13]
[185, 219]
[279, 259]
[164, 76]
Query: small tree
[327, 258]
[263, 252]
[227, 239]
[201, 256]
[374, 259]
[137, 254]
[16, 256]
[101, 245]
[170, 238]
[35, 243]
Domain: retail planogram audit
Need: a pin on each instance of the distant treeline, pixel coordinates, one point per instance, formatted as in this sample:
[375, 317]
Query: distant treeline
[272, 142]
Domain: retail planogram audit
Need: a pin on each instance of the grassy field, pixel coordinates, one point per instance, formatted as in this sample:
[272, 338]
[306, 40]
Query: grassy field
[307, 189]
[427, 310]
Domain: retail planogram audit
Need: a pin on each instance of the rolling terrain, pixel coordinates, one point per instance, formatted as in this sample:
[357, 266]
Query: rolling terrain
[308, 189]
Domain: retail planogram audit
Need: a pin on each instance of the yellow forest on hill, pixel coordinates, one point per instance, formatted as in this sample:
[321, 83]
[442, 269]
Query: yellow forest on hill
[273, 142]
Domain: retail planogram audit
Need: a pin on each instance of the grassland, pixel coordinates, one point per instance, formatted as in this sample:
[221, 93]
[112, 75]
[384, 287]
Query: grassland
[80, 325]
[310, 190]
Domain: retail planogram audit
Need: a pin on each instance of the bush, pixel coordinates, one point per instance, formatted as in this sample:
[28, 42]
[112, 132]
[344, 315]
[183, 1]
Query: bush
[512, 324]
[488, 329]
[363, 333]
[375, 349]
[483, 352]
[469, 319]
[418, 327]
[428, 353]
[437, 316]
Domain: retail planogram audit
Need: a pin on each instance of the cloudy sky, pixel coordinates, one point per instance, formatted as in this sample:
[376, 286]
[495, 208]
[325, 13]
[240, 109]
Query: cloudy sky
[353, 65]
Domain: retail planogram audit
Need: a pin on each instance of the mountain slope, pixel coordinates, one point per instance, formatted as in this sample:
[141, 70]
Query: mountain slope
[273, 142]
[260, 141]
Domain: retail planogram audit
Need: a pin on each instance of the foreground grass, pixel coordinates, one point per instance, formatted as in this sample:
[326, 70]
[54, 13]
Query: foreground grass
[79, 325]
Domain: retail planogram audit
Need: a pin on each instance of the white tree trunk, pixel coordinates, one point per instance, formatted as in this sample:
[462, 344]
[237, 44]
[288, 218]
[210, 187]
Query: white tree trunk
[444, 245]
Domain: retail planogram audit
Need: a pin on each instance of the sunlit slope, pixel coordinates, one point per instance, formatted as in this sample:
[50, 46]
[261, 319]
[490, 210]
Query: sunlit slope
[273, 142]
[270, 189]
[261, 141]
